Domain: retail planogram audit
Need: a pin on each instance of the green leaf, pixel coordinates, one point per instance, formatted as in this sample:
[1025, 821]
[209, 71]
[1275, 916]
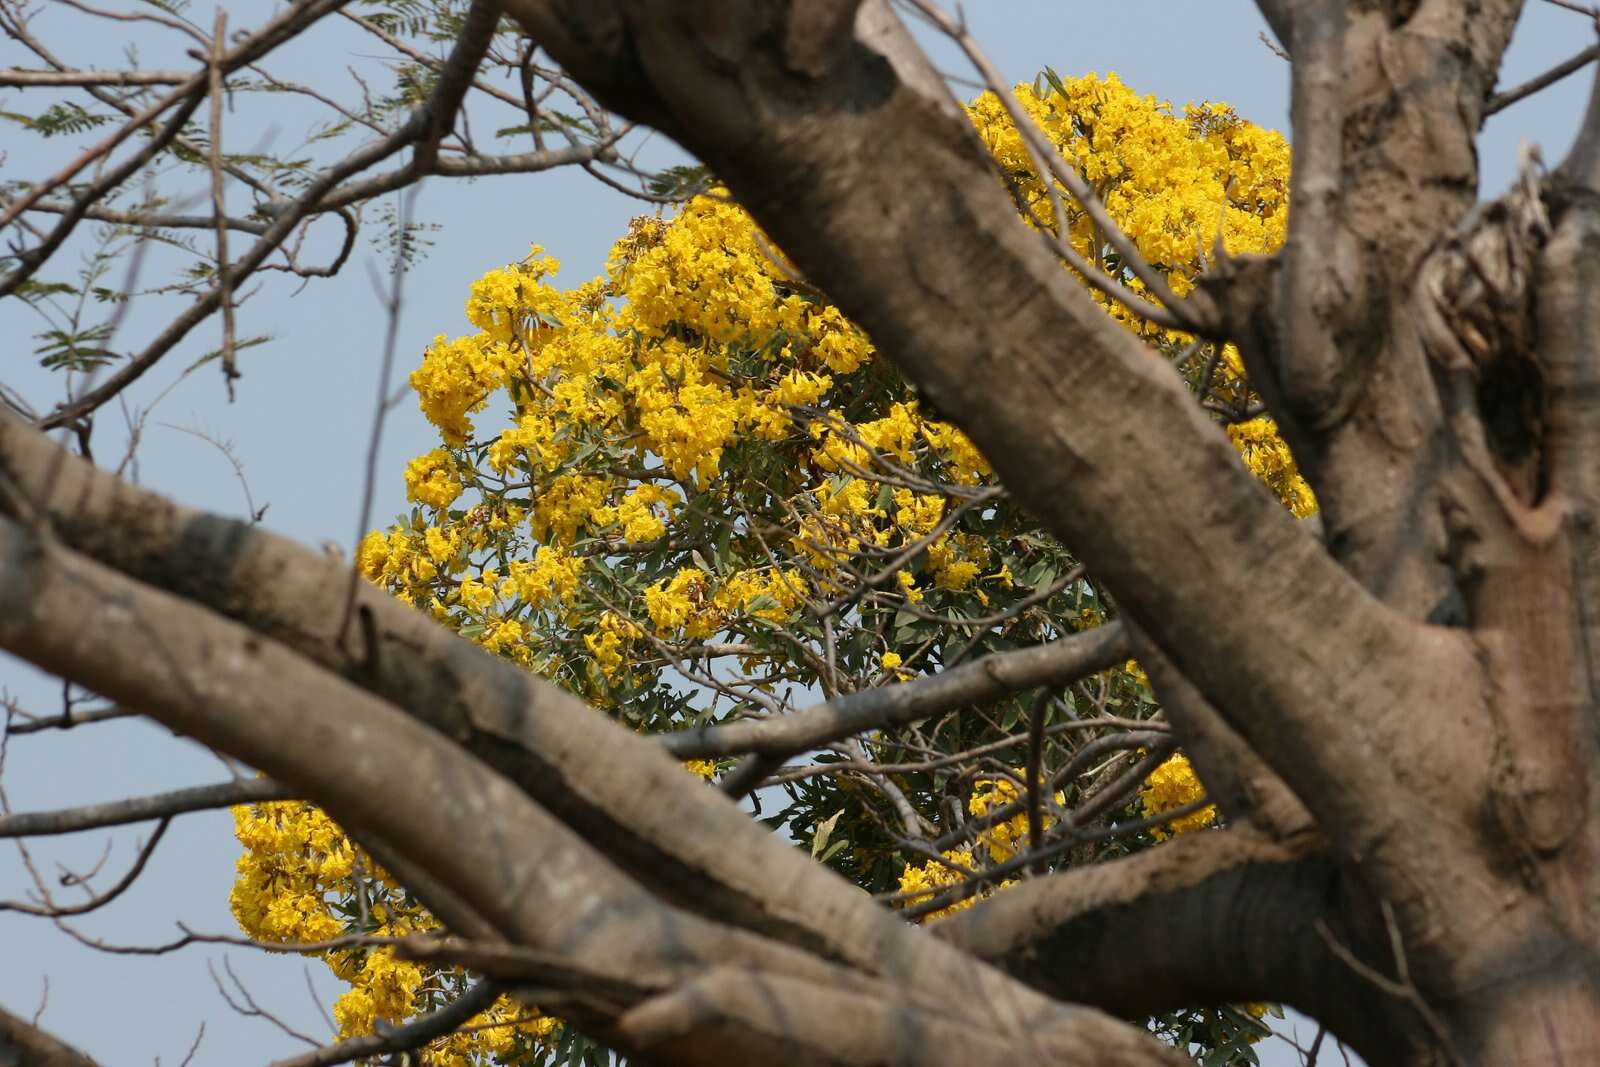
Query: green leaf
[824, 830]
[834, 849]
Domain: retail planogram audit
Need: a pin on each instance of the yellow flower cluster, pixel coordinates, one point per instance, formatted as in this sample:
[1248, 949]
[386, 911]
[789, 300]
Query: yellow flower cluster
[699, 448]
[1171, 786]
[1005, 839]
[295, 880]
[432, 479]
[997, 844]
[1173, 181]
[1265, 453]
[685, 604]
[609, 642]
[1176, 183]
[704, 768]
[921, 881]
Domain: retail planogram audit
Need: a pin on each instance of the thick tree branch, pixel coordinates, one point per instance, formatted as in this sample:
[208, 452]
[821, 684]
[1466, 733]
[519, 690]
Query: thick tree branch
[1236, 779]
[732, 1015]
[24, 1045]
[1144, 933]
[682, 839]
[1318, 272]
[779, 737]
[219, 683]
[1582, 164]
[1568, 324]
[243, 693]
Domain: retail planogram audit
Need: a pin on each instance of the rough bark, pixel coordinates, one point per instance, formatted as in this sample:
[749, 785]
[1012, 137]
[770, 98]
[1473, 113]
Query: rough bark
[1148, 930]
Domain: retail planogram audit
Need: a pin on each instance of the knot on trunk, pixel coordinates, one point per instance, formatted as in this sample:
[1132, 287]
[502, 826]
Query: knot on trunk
[1475, 313]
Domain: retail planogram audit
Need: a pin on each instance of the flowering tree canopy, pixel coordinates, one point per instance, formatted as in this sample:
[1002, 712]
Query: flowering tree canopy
[691, 493]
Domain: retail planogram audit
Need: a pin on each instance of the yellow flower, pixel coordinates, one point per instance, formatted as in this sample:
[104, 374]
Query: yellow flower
[1005, 839]
[1170, 786]
[373, 555]
[681, 603]
[475, 594]
[431, 479]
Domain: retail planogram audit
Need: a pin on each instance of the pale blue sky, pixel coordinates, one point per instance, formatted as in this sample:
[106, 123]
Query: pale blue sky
[300, 428]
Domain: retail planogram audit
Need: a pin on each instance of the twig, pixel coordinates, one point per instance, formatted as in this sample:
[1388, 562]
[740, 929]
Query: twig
[380, 416]
[49, 909]
[219, 211]
[1400, 987]
[1501, 101]
[194, 1047]
[150, 220]
[250, 1009]
[1041, 703]
[68, 719]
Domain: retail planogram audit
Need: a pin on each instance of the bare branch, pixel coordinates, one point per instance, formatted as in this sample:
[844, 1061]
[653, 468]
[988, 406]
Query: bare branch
[34, 78]
[30, 259]
[151, 219]
[1280, 17]
[1054, 664]
[464, 167]
[446, 94]
[159, 806]
[273, 33]
[1501, 101]
[407, 1038]
[1314, 282]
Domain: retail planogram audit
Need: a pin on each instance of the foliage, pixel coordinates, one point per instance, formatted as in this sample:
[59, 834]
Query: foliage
[708, 498]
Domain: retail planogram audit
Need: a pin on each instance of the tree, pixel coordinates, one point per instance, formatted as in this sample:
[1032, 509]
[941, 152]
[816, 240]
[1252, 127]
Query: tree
[1389, 706]
[710, 496]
